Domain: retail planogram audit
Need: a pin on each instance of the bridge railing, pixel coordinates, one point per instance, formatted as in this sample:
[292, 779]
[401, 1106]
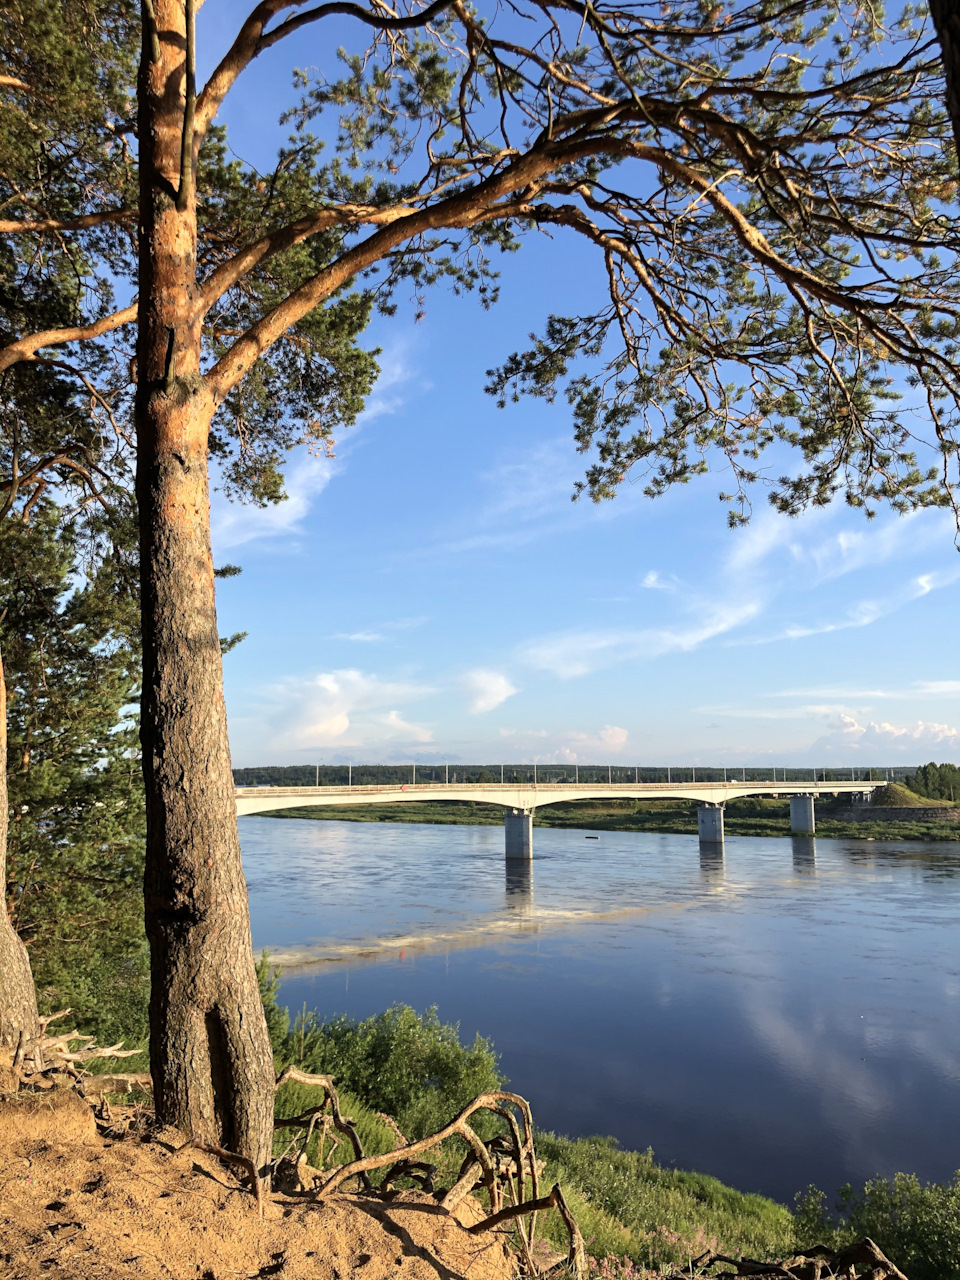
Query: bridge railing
[392, 775]
[359, 789]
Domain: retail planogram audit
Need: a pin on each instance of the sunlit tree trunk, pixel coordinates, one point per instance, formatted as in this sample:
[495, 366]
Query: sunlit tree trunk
[209, 1049]
[18, 999]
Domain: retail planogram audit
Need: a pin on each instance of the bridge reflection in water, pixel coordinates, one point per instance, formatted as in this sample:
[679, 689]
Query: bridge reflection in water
[519, 886]
[521, 800]
[804, 855]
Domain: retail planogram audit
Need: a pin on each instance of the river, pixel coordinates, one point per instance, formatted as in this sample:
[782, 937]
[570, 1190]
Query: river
[783, 1014]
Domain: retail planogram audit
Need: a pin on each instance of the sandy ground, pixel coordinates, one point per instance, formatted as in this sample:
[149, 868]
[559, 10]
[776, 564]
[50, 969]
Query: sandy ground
[79, 1204]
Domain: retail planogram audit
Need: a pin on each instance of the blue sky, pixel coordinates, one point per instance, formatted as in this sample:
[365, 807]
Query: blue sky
[433, 594]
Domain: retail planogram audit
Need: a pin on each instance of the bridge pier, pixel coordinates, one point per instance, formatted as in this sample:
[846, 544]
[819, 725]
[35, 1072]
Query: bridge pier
[802, 820]
[710, 823]
[518, 833]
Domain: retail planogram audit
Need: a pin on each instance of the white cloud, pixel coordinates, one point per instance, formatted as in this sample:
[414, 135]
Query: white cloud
[530, 495]
[396, 370]
[576, 747]
[344, 709]
[487, 690]
[578, 653]
[235, 523]
[887, 743]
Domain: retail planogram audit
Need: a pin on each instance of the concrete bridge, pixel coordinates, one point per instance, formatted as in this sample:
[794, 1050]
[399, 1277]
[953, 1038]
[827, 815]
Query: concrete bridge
[520, 799]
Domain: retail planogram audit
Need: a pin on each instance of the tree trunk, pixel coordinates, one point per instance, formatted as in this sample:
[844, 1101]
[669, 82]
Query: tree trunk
[946, 21]
[18, 997]
[209, 1050]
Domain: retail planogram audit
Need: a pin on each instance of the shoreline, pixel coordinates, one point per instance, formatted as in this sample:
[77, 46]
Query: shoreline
[763, 818]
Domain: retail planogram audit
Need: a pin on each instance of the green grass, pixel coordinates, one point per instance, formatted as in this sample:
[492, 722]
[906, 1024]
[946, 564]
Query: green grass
[895, 796]
[459, 812]
[629, 1206]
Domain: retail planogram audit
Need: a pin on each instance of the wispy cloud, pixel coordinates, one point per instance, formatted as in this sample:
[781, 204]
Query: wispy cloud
[654, 582]
[377, 635]
[359, 637]
[487, 690]
[919, 688]
[863, 612]
[397, 371]
[528, 493]
[821, 552]
[578, 653]
[234, 524]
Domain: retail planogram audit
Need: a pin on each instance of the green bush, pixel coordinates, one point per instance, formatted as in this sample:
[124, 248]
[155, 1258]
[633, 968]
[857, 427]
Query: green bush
[410, 1066]
[917, 1225]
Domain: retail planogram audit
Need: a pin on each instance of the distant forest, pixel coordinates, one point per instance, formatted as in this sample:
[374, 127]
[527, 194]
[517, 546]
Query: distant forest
[365, 775]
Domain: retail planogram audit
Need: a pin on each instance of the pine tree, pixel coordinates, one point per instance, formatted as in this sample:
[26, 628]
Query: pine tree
[75, 847]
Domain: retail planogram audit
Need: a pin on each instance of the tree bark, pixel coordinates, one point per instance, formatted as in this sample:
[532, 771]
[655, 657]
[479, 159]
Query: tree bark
[210, 1052]
[946, 22]
[18, 997]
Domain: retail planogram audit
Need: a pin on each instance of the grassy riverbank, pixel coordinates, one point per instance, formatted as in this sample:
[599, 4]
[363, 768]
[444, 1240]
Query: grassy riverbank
[755, 816]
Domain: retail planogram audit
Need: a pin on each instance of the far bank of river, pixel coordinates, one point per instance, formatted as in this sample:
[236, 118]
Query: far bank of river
[756, 816]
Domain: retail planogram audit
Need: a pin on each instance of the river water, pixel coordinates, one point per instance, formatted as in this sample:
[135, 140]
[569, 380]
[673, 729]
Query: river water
[780, 1014]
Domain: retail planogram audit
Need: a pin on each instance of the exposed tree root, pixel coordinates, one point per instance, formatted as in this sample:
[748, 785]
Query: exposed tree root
[506, 1168]
[231, 1158]
[38, 1060]
[860, 1261]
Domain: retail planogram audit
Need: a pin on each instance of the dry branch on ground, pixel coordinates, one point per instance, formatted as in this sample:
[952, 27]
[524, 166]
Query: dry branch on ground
[860, 1261]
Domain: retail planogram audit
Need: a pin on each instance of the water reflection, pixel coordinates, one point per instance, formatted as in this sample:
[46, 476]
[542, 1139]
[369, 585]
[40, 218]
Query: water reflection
[519, 886]
[804, 855]
[771, 1025]
[711, 862]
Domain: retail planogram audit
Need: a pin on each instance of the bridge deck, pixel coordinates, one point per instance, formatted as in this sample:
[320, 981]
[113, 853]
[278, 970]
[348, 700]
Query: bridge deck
[528, 796]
